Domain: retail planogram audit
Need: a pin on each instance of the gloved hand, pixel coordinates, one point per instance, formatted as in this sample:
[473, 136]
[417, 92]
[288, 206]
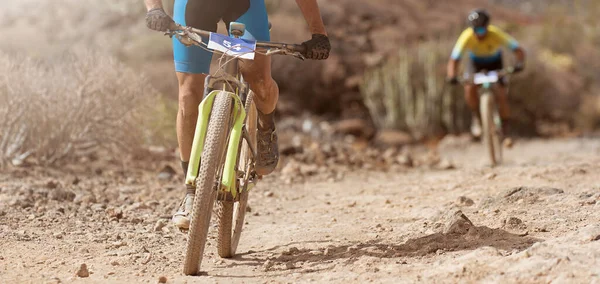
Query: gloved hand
[452, 81]
[158, 20]
[519, 67]
[317, 48]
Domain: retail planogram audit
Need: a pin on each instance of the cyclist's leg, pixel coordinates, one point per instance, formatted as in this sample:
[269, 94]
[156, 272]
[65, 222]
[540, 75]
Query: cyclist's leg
[191, 66]
[257, 73]
[191, 88]
[472, 100]
[502, 99]
[501, 96]
[471, 90]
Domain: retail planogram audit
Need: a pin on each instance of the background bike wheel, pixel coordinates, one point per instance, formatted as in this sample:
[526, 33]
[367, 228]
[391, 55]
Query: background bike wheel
[212, 156]
[490, 137]
[231, 215]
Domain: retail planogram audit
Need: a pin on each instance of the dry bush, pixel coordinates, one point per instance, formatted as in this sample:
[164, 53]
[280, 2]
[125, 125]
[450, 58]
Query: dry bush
[588, 117]
[410, 93]
[70, 106]
[571, 33]
[573, 30]
[114, 26]
[57, 25]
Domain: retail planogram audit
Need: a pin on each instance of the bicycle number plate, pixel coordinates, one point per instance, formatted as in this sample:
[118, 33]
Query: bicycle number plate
[482, 78]
[236, 47]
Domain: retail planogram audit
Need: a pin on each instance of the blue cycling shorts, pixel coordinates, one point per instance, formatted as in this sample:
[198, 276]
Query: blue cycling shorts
[205, 15]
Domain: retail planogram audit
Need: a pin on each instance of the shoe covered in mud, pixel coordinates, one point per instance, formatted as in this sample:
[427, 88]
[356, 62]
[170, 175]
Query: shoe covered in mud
[182, 217]
[268, 151]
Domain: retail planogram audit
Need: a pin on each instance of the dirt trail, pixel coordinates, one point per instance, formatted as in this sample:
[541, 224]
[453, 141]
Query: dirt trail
[533, 220]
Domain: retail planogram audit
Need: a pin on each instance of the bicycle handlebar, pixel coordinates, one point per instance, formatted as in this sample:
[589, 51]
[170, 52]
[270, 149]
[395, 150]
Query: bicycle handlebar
[297, 50]
[500, 73]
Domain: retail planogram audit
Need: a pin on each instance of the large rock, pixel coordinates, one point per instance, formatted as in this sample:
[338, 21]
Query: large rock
[459, 223]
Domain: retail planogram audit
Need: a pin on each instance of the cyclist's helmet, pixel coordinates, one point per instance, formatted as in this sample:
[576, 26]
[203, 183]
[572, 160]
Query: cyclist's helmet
[478, 18]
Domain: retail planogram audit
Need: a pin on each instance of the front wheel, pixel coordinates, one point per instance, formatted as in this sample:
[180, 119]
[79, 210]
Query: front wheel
[207, 183]
[491, 133]
[230, 214]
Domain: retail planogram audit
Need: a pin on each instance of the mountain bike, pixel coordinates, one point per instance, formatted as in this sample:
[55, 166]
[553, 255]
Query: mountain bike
[491, 123]
[221, 165]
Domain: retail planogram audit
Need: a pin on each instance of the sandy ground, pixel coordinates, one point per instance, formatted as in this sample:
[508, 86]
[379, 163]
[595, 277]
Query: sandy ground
[533, 220]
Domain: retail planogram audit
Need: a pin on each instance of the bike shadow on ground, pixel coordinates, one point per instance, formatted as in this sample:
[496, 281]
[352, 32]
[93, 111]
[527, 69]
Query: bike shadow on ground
[280, 259]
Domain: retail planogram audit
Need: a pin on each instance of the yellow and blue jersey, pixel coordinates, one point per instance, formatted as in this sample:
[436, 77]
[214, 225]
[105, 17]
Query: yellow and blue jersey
[487, 49]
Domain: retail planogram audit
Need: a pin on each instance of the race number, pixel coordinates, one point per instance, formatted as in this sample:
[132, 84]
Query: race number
[236, 47]
[483, 78]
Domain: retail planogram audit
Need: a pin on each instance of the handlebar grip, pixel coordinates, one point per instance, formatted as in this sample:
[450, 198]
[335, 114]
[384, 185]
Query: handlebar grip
[175, 27]
[300, 48]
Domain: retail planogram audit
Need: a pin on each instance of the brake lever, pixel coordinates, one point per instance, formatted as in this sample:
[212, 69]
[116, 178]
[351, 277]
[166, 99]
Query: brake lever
[186, 37]
[286, 52]
[194, 36]
[169, 33]
[173, 29]
[299, 56]
[276, 51]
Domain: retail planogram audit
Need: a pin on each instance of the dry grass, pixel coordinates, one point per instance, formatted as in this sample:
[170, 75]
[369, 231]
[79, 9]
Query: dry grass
[70, 106]
[409, 93]
[572, 34]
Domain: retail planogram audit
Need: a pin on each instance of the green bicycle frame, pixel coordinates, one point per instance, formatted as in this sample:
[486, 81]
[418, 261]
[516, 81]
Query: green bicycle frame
[228, 180]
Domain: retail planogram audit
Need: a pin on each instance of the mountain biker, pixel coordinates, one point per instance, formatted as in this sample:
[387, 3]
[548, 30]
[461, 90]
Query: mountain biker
[484, 43]
[192, 66]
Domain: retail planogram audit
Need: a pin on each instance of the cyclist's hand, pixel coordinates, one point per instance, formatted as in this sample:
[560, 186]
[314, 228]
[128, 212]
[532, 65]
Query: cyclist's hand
[452, 81]
[318, 47]
[519, 67]
[158, 20]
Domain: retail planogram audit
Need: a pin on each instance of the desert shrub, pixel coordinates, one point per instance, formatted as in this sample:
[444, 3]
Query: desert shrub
[159, 122]
[69, 106]
[409, 92]
[571, 33]
[588, 117]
